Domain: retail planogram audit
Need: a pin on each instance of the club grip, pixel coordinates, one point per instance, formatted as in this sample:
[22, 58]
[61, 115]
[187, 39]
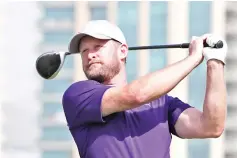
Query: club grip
[209, 43]
[218, 44]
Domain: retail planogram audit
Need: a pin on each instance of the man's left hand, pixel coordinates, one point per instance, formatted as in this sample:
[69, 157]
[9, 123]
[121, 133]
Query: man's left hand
[215, 53]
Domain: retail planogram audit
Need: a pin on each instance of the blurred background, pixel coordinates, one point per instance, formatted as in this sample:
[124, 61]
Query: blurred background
[31, 118]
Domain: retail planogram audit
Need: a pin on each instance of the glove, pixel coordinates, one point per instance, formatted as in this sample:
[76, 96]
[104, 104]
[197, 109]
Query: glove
[215, 53]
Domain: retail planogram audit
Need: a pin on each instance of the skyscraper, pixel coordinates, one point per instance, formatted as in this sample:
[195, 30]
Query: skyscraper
[231, 79]
[19, 84]
[1, 80]
[57, 27]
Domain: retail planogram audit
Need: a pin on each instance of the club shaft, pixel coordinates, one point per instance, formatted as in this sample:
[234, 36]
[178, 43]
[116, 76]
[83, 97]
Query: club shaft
[219, 44]
[183, 45]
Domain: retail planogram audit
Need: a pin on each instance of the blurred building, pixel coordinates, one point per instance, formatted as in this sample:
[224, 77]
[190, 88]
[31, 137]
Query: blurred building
[231, 78]
[34, 125]
[57, 27]
[19, 84]
[1, 80]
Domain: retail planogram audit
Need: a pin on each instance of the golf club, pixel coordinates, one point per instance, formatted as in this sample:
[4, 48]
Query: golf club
[49, 64]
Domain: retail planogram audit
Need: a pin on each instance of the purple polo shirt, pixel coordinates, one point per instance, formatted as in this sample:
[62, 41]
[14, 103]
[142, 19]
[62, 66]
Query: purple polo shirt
[143, 132]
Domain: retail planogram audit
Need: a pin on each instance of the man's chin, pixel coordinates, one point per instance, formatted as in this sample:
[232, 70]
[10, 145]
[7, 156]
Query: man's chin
[98, 79]
[95, 77]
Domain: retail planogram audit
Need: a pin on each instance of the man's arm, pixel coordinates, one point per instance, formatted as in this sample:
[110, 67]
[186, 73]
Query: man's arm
[193, 123]
[148, 87]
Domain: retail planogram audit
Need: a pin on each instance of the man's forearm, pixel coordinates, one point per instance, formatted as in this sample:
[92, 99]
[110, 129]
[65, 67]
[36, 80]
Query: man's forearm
[158, 83]
[214, 110]
[148, 87]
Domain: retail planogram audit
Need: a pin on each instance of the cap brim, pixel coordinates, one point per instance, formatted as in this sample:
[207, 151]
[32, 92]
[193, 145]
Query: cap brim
[74, 43]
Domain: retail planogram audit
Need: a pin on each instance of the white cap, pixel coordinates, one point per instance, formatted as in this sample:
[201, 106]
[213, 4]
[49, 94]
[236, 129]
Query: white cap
[100, 29]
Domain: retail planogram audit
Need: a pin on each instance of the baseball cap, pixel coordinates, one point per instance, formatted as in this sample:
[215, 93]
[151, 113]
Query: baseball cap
[100, 29]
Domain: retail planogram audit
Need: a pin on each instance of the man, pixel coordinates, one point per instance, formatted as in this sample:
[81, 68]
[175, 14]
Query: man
[109, 117]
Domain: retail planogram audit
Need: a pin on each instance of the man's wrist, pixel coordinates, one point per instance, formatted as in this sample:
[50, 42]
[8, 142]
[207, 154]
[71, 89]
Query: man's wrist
[215, 63]
[195, 59]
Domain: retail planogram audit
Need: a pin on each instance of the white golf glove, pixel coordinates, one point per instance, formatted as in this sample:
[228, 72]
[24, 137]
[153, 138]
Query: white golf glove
[215, 53]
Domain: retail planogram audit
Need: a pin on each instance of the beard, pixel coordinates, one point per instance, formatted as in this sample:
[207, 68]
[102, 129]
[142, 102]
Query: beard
[101, 73]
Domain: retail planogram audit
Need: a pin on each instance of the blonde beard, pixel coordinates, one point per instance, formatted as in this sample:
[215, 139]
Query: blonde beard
[104, 73]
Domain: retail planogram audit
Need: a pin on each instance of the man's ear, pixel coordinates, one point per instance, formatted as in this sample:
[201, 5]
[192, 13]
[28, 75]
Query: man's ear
[123, 51]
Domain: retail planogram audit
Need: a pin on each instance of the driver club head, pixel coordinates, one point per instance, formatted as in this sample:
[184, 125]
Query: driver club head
[49, 64]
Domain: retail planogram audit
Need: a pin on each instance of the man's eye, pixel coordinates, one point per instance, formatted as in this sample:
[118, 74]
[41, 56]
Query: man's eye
[97, 47]
[84, 51]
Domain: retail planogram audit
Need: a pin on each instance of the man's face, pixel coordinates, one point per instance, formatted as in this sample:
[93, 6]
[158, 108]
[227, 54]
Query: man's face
[99, 58]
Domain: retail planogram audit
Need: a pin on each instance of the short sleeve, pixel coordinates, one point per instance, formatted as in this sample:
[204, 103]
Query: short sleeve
[175, 108]
[82, 103]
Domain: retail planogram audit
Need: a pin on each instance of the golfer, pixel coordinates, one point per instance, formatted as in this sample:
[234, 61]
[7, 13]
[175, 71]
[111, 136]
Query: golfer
[111, 118]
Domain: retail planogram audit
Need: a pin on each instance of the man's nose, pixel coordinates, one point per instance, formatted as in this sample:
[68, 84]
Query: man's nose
[92, 54]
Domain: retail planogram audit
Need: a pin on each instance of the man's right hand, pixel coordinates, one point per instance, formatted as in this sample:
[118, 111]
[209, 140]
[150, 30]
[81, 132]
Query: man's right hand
[196, 48]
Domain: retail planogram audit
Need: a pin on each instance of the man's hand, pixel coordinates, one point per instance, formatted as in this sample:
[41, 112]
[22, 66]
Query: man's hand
[196, 48]
[214, 53]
